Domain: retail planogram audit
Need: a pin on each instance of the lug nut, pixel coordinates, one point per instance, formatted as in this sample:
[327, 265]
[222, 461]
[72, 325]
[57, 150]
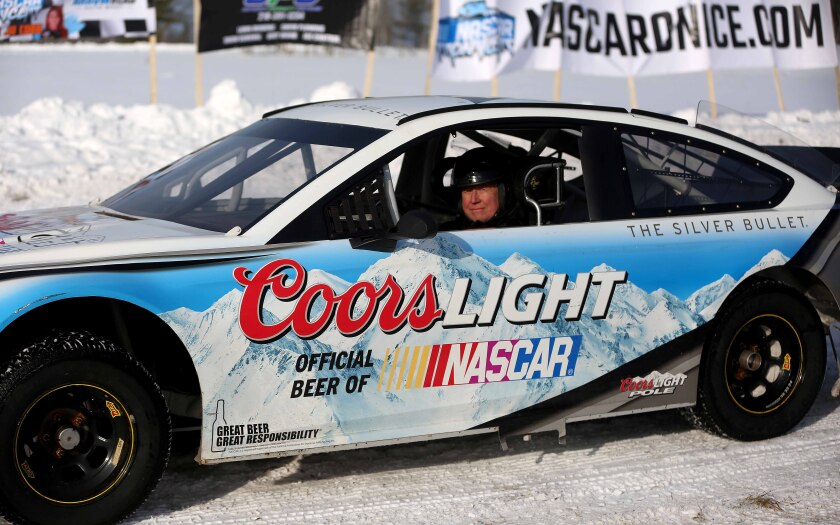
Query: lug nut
[78, 420]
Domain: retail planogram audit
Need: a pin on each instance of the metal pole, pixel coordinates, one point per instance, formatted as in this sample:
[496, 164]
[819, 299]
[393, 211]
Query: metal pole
[153, 94]
[631, 85]
[710, 83]
[837, 81]
[371, 56]
[199, 73]
[777, 82]
[433, 35]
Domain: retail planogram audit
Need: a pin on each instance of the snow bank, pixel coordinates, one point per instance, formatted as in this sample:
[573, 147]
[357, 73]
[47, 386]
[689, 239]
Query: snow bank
[58, 152]
[335, 91]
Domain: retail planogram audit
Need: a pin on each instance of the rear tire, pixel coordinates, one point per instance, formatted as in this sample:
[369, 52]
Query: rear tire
[763, 366]
[84, 432]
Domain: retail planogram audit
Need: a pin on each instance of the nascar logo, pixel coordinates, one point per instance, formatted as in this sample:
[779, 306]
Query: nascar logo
[478, 30]
[478, 362]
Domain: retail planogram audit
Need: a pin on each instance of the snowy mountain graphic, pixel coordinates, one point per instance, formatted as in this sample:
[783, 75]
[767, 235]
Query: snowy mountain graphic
[255, 380]
[657, 376]
[636, 323]
[707, 300]
[704, 297]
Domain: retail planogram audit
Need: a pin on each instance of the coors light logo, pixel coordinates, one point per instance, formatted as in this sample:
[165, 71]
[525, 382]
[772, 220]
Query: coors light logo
[388, 304]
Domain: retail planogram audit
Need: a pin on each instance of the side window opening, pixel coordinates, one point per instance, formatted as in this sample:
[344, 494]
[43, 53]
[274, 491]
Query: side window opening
[529, 159]
[675, 176]
[365, 209]
[419, 178]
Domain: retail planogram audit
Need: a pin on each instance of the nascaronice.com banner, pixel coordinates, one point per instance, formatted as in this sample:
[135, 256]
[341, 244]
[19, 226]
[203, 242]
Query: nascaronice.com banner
[344, 23]
[479, 39]
[41, 20]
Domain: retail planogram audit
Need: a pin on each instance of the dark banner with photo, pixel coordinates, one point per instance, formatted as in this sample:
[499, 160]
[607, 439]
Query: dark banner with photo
[42, 20]
[344, 23]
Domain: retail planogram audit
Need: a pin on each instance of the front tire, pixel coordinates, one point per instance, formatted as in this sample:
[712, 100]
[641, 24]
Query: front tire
[764, 365]
[84, 432]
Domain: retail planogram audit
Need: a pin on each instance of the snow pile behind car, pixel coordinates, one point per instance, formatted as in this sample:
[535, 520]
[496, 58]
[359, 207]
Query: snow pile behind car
[58, 152]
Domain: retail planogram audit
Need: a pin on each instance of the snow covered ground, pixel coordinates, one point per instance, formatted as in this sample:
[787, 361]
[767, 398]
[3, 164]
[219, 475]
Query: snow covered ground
[648, 468]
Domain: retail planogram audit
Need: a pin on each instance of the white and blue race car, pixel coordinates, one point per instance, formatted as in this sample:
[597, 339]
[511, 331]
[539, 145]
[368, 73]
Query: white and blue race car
[307, 284]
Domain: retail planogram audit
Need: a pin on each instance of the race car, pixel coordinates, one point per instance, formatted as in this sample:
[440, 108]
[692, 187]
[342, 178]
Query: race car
[302, 285]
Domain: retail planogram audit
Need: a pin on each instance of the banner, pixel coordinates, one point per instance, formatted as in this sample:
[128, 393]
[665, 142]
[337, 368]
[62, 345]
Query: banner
[344, 23]
[37, 20]
[479, 39]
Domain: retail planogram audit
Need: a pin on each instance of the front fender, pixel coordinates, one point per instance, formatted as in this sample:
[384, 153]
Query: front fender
[22, 295]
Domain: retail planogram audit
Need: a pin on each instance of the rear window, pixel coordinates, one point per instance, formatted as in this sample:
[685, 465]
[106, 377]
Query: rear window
[671, 175]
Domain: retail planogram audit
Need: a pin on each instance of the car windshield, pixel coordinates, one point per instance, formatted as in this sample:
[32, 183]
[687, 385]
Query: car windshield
[820, 164]
[236, 180]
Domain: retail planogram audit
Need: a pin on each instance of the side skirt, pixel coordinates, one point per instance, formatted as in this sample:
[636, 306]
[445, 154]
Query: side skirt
[350, 446]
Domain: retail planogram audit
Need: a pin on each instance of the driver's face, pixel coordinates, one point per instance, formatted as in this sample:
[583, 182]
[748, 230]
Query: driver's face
[480, 203]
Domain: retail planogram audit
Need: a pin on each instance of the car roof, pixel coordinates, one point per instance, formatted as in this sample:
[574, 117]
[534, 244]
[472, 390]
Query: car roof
[383, 113]
[388, 113]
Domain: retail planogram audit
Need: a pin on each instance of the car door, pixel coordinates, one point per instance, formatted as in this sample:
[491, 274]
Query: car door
[357, 338]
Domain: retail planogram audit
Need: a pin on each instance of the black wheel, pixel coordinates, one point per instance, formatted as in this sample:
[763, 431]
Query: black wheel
[84, 432]
[763, 366]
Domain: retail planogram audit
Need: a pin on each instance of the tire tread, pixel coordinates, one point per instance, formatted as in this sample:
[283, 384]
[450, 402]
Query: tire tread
[60, 346]
[702, 414]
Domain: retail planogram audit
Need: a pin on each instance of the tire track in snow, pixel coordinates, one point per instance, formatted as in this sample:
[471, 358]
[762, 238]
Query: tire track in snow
[639, 467]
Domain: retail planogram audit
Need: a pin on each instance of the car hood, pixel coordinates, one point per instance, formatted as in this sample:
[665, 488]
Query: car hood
[83, 234]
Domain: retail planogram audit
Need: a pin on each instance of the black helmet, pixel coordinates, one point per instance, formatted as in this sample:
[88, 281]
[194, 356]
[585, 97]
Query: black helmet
[476, 167]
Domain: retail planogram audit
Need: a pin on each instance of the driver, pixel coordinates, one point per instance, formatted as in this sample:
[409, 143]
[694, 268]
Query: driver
[480, 176]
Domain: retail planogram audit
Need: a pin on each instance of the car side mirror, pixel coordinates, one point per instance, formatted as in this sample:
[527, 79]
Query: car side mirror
[414, 224]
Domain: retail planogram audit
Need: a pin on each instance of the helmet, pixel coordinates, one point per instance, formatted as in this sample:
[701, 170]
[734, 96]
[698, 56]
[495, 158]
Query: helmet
[476, 167]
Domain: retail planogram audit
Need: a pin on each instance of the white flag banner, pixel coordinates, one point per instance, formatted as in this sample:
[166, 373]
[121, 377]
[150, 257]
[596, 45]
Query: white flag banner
[797, 35]
[482, 38]
[619, 38]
